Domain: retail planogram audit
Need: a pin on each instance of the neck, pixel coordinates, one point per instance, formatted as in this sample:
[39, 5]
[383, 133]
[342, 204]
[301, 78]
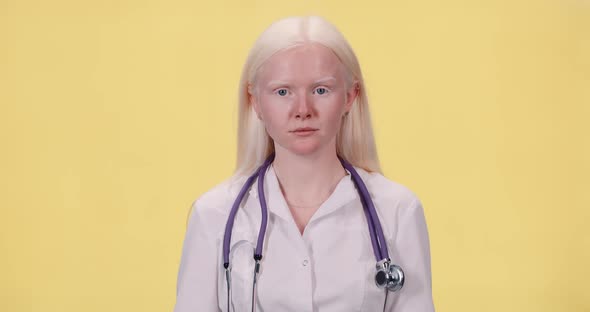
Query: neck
[307, 180]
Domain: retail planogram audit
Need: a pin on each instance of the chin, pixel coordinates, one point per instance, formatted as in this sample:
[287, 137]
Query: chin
[304, 148]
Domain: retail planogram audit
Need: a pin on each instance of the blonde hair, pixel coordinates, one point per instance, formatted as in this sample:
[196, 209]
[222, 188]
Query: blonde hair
[354, 142]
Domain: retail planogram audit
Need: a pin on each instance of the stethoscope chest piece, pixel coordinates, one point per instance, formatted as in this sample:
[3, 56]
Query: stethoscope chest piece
[389, 276]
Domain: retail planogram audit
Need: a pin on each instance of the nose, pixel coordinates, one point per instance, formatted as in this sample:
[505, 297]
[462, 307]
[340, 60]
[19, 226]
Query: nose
[303, 108]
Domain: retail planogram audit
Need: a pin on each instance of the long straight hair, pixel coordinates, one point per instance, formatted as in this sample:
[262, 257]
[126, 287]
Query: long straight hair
[354, 141]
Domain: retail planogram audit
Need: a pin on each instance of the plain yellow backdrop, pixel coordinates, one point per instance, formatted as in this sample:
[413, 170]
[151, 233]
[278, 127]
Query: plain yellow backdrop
[116, 115]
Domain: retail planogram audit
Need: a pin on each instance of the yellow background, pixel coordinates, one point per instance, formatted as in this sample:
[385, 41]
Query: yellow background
[116, 115]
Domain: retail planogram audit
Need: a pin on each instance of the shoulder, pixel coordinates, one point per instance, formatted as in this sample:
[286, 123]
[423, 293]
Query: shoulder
[212, 207]
[387, 190]
[393, 200]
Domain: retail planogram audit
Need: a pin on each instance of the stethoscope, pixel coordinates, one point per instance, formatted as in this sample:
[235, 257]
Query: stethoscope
[388, 275]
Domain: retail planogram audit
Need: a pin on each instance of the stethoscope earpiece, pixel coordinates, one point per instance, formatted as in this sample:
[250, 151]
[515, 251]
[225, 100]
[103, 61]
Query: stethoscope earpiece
[389, 276]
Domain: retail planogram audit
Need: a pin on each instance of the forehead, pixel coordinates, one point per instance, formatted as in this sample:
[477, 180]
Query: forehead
[306, 62]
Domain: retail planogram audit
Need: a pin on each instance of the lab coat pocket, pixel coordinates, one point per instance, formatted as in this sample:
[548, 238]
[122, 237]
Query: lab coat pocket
[242, 275]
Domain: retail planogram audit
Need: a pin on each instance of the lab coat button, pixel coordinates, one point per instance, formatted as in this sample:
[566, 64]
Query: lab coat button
[305, 262]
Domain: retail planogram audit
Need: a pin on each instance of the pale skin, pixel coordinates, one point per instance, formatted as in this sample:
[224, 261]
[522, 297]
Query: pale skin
[304, 86]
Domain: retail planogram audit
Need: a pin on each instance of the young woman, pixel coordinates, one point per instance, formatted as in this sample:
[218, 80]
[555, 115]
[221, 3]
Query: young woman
[308, 222]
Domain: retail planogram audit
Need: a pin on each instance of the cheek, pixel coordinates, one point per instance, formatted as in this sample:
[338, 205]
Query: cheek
[274, 116]
[333, 112]
[272, 108]
[334, 123]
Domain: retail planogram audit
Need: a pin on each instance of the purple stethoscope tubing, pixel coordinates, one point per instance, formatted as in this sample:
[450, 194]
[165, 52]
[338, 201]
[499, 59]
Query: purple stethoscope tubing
[376, 231]
[234, 210]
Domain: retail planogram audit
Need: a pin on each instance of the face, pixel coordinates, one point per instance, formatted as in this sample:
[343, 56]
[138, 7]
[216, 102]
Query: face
[301, 95]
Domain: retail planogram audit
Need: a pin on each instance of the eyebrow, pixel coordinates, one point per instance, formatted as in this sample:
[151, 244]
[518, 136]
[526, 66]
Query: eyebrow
[280, 82]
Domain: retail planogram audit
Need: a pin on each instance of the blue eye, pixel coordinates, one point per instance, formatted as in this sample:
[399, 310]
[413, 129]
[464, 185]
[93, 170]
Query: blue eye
[282, 92]
[321, 90]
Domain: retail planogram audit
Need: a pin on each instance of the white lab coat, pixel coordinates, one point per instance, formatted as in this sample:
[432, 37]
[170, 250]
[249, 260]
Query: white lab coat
[330, 268]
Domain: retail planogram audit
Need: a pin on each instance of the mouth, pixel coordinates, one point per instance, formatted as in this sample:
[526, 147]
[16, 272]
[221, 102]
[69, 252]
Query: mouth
[304, 130]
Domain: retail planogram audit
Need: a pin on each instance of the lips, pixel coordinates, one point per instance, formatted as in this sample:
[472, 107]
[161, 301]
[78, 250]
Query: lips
[304, 129]
[304, 132]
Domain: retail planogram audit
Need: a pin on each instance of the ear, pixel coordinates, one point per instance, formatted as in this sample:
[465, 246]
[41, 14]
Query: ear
[351, 94]
[253, 99]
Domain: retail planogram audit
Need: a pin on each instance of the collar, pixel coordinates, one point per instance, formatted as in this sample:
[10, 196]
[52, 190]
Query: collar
[344, 193]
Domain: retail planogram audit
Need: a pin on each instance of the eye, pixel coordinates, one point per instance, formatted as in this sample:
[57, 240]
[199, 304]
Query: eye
[321, 90]
[282, 92]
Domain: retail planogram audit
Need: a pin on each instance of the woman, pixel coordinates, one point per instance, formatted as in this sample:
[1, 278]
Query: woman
[303, 109]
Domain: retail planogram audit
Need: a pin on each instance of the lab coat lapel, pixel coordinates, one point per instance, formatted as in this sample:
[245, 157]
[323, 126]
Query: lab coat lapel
[275, 202]
[344, 193]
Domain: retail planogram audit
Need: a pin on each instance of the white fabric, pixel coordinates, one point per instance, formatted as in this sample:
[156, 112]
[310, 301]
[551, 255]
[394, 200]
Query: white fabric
[331, 267]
